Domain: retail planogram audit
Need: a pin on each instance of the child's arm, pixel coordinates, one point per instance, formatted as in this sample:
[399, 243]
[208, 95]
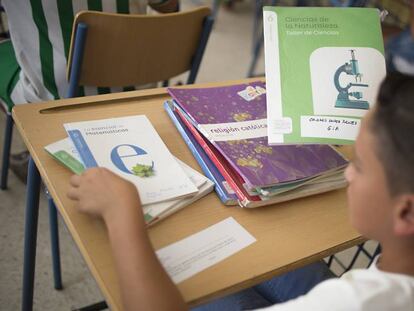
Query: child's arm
[144, 283]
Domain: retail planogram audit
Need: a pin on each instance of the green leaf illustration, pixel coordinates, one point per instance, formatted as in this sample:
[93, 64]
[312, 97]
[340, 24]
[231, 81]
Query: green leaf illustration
[142, 170]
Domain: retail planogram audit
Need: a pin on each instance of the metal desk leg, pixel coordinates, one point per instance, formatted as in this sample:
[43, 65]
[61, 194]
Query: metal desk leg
[95, 307]
[255, 57]
[54, 241]
[257, 36]
[8, 133]
[30, 235]
[215, 8]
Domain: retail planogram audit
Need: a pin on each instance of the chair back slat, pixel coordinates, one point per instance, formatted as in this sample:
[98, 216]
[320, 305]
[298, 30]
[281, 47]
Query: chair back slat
[123, 49]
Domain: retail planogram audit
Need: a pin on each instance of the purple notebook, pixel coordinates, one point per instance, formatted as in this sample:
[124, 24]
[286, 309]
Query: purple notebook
[233, 118]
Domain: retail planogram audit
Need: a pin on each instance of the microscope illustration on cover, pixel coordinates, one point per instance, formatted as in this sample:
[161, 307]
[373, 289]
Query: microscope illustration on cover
[344, 96]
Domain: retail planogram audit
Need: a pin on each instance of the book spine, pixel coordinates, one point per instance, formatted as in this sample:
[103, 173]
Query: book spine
[202, 159]
[230, 177]
[239, 176]
[82, 148]
[68, 161]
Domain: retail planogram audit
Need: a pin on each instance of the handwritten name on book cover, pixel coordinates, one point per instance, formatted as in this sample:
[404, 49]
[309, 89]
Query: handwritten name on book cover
[131, 148]
[233, 119]
[323, 69]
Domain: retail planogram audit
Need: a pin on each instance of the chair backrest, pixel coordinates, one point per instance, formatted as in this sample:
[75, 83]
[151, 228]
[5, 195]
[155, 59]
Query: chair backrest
[113, 50]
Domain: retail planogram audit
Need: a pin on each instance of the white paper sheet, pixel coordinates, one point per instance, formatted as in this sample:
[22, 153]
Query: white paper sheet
[185, 258]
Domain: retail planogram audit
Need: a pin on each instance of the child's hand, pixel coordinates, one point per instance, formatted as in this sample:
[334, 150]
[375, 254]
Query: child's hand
[101, 193]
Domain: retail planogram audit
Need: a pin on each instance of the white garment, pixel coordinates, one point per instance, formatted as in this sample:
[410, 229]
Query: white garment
[358, 290]
[40, 31]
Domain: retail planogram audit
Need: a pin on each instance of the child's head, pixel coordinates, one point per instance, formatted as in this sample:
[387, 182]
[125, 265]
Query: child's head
[381, 178]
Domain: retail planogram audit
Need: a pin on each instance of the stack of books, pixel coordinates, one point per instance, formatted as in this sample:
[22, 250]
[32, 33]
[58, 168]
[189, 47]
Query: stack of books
[226, 130]
[131, 148]
[263, 144]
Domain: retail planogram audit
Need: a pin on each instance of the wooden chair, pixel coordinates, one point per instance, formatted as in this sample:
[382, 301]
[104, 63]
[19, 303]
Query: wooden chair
[117, 50]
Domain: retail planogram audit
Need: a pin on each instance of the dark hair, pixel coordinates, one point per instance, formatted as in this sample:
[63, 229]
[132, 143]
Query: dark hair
[393, 126]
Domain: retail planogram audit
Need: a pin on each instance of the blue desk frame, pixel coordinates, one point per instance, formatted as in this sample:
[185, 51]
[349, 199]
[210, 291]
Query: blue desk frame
[30, 237]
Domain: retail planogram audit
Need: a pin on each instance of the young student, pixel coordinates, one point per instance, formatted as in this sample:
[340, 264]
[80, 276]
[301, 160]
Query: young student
[41, 31]
[381, 207]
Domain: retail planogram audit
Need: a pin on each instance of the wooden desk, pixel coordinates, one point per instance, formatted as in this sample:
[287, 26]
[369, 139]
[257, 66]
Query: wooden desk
[289, 235]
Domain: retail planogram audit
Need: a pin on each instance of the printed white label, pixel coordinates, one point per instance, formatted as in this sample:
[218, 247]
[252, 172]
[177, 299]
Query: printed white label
[281, 125]
[234, 130]
[329, 127]
[201, 250]
[250, 92]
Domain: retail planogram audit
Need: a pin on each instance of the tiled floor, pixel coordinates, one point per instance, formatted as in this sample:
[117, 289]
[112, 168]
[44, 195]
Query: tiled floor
[227, 57]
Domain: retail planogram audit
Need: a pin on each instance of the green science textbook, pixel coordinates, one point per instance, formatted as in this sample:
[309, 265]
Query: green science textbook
[323, 70]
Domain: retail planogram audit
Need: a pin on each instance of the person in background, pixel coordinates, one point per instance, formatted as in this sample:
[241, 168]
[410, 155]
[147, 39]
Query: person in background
[37, 55]
[399, 47]
[381, 208]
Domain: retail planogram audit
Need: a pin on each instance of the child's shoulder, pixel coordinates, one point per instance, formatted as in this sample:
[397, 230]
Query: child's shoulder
[363, 289]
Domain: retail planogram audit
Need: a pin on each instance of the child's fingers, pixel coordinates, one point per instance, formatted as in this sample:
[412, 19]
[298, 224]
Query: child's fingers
[73, 194]
[75, 181]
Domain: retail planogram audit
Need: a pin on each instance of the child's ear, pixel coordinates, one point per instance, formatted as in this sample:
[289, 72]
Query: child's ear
[404, 215]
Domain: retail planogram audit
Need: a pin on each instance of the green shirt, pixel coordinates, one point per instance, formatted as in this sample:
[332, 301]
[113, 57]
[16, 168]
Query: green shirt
[40, 31]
